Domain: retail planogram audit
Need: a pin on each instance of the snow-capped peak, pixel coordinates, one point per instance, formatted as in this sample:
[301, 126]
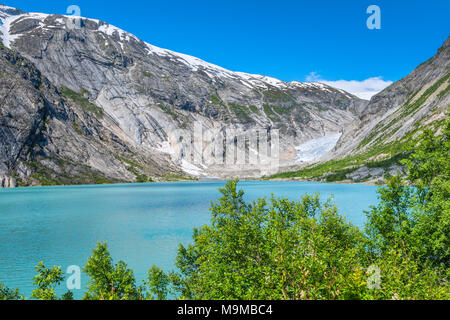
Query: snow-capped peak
[9, 10]
[8, 15]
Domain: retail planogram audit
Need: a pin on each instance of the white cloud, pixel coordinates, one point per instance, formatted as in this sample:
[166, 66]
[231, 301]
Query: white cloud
[365, 89]
[313, 77]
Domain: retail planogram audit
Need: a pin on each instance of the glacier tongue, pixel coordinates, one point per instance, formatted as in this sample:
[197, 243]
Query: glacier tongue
[316, 148]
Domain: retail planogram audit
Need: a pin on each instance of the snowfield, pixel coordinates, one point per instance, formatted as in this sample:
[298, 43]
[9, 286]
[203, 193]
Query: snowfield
[316, 148]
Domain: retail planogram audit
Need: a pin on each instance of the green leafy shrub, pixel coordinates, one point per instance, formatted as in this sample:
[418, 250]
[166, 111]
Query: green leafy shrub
[9, 294]
[109, 281]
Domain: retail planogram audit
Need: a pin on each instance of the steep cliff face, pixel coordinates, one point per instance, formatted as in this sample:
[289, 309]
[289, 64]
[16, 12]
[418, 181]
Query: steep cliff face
[48, 139]
[149, 93]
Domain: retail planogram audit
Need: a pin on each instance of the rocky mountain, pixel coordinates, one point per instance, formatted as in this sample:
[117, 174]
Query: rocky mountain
[417, 101]
[49, 139]
[373, 145]
[126, 110]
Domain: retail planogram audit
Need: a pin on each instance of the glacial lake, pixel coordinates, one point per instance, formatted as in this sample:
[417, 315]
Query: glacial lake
[142, 223]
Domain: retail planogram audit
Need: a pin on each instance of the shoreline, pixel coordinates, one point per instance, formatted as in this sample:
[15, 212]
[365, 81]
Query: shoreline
[367, 183]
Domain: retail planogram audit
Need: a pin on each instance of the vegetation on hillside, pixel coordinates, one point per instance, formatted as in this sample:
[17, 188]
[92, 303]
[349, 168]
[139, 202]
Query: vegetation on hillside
[82, 101]
[281, 249]
[381, 155]
[381, 148]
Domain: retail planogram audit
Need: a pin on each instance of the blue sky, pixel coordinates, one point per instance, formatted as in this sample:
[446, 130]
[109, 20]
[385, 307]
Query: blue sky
[291, 40]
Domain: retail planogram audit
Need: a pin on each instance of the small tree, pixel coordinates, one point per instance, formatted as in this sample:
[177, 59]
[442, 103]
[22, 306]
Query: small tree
[108, 281]
[276, 249]
[158, 283]
[46, 281]
[9, 294]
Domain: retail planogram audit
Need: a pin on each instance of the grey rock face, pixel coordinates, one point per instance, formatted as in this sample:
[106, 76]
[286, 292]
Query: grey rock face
[148, 94]
[47, 138]
[374, 174]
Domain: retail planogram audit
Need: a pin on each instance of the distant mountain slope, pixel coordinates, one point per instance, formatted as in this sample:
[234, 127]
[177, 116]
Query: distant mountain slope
[149, 93]
[375, 142]
[413, 102]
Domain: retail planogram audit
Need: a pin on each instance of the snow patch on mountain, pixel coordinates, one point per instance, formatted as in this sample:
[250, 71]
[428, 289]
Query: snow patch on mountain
[10, 15]
[316, 148]
[5, 26]
[189, 168]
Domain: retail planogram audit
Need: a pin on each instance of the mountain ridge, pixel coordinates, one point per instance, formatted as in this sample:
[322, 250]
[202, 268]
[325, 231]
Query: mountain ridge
[150, 94]
[149, 100]
[191, 61]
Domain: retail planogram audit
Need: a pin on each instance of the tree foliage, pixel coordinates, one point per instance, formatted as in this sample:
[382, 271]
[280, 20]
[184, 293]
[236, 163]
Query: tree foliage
[46, 281]
[109, 281]
[415, 217]
[269, 249]
[9, 294]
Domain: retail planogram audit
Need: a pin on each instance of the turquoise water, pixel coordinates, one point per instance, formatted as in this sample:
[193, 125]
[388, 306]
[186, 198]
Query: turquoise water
[142, 223]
